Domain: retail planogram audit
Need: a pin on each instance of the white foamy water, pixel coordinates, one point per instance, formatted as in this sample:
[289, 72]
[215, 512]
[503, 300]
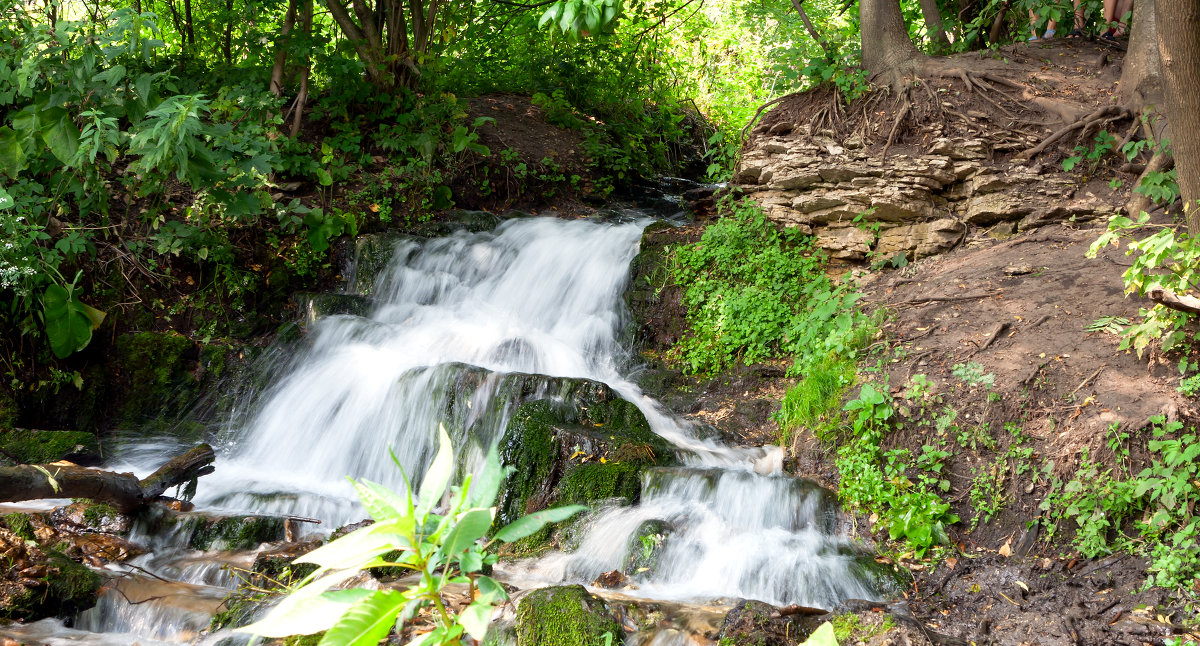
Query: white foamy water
[458, 327]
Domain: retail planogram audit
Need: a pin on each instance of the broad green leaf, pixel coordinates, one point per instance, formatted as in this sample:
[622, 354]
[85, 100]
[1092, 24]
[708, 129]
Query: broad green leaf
[489, 588]
[470, 527]
[822, 636]
[439, 473]
[61, 135]
[551, 14]
[382, 503]
[68, 327]
[527, 525]
[6, 201]
[367, 621]
[475, 619]
[308, 610]
[12, 154]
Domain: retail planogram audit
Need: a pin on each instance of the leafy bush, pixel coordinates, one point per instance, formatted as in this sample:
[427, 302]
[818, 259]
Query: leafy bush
[1152, 514]
[754, 292]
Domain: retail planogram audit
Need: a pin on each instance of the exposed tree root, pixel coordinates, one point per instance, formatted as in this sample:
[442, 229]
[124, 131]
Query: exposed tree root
[1103, 115]
[905, 108]
[1159, 162]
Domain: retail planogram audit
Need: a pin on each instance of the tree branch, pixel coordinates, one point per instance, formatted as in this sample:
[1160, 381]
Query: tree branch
[1184, 303]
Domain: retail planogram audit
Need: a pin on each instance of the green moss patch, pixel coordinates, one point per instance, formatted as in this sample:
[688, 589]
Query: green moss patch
[565, 616]
[42, 447]
[156, 375]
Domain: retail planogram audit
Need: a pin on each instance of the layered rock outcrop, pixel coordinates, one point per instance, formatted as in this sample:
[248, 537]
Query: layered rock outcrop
[914, 202]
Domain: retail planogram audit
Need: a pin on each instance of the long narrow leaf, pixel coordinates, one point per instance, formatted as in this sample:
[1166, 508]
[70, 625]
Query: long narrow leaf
[527, 525]
[439, 474]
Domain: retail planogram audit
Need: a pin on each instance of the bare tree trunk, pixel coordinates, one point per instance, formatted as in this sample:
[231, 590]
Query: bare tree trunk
[1141, 72]
[306, 20]
[997, 30]
[289, 19]
[1179, 45]
[227, 41]
[187, 15]
[933, 25]
[887, 50]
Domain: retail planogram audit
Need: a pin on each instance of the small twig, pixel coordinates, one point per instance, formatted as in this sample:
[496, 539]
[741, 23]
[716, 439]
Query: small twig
[1000, 327]
[1084, 382]
[932, 299]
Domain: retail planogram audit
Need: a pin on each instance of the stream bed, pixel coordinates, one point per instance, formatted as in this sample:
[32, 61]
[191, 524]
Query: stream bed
[461, 330]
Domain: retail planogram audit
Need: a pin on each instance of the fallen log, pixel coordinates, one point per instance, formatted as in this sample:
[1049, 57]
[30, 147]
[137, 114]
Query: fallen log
[122, 490]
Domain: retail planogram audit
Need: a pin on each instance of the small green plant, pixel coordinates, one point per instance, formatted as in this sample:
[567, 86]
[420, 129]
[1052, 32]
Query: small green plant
[987, 493]
[972, 374]
[1165, 260]
[976, 437]
[1111, 324]
[440, 548]
[1102, 145]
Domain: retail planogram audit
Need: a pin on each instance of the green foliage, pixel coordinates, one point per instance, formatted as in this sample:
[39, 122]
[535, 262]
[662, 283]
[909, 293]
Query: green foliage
[813, 402]
[972, 374]
[987, 492]
[875, 481]
[440, 548]
[1151, 513]
[754, 293]
[1163, 260]
[1092, 155]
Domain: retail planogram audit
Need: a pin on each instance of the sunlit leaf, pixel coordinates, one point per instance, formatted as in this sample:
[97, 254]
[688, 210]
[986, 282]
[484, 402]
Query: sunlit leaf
[527, 525]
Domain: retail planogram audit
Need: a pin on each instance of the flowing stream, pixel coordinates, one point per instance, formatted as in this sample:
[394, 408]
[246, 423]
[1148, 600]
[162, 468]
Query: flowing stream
[453, 327]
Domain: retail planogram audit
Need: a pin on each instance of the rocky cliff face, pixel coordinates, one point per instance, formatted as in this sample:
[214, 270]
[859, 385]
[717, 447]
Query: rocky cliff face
[916, 201]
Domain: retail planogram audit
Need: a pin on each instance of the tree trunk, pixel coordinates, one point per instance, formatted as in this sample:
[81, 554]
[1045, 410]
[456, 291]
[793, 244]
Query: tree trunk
[812, 31]
[187, 19]
[1178, 26]
[289, 19]
[1141, 72]
[887, 50]
[306, 20]
[227, 40]
[997, 30]
[933, 25]
[122, 490]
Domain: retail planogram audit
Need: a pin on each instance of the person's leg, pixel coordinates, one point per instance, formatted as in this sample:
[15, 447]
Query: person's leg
[1123, 8]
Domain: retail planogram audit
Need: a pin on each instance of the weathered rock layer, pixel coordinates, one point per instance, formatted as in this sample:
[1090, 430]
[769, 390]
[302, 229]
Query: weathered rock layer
[860, 205]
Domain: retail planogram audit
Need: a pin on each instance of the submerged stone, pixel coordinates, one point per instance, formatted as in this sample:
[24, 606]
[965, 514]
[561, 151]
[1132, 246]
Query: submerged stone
[236, 532]
[565, 616]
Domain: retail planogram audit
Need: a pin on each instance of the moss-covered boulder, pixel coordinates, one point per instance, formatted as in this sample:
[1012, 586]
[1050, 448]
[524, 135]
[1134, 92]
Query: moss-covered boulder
[87, 516]
[37, 583]
[28, 446]
[157, 375]
[275, 567]
[646, 547]
[565, 616]
[235, 532]
[583, 446]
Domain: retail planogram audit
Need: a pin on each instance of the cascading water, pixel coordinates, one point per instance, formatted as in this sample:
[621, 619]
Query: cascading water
[457, 325]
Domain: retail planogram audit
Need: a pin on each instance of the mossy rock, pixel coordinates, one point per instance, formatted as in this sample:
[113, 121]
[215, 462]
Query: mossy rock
[584, 446]
[234, 532]
[85, 516]
[646, 547]
[276, 567]
[68, 588]
[28, 446]
[314, 306]
[565, 616]
[20, 524]
[8, 411]
[157, 376]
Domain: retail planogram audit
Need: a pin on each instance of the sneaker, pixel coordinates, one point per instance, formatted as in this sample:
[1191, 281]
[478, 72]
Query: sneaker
[1048, 35]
